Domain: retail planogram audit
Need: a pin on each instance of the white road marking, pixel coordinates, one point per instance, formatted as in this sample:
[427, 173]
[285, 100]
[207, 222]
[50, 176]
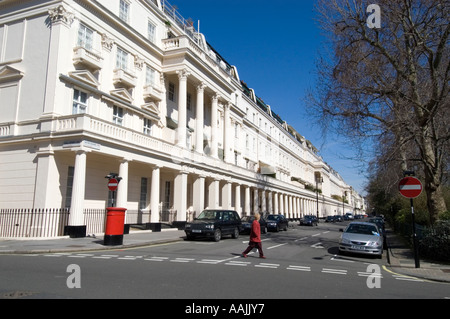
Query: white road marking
[300, 268]
[334, 271]
[277, 246]
[266, 265]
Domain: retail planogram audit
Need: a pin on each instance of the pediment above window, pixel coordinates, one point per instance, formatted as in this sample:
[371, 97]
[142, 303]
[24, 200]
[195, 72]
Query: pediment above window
[10, 74]
[151, 107]
[122, 94]
[85, 76]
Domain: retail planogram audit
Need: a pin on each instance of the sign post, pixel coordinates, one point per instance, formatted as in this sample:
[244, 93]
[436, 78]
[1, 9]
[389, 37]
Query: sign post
[410, 187]
[113, 184]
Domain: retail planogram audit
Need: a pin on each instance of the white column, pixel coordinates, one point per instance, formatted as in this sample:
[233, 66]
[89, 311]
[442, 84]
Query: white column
[199, 118]
[256, 201]
[122, 190]
[46, 176]
[291, 207]
[214, 110]
[155, 195]
[213, 202]
[270, 203]
[281, 212]
[276, 206]
[226, 133]
[286, 206]
[180, 196]
[182, 107]
[237, 200]
[226, 195]
[263, 202]
[76, 217]
[199, 195]
[247, 201]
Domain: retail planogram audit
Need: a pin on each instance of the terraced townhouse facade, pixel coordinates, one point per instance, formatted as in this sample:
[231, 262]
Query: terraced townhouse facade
[89, 88]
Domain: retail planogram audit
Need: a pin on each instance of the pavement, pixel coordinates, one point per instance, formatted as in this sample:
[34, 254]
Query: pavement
[400, 260]
[399, 257]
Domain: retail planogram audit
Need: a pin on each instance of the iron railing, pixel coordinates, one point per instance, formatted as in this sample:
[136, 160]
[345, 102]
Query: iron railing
[50, 222]
[33, 222]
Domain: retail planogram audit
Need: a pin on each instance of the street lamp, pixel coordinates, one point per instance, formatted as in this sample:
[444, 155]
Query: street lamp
[343, 202]
[318, 180]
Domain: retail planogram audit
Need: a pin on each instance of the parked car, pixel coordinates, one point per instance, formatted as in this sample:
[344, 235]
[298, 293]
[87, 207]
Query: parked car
[380, 224]
[338, 218]
[309, 220]
[277, 222]
[214, 224]
[330, 219]
[247, 222]
[349, 216]
[361, 238]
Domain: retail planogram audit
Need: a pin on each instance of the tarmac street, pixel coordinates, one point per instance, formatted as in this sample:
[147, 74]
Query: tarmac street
[302, 262]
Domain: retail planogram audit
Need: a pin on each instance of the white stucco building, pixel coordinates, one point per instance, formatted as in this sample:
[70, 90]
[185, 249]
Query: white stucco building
[89, 88]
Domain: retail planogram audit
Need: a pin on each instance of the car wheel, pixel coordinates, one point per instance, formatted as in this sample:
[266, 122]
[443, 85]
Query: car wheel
[235, 233]
[217, 235]
[277, 229]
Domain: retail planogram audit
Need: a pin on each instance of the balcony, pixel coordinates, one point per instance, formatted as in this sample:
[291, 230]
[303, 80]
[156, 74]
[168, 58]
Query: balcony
[125, 78]
[153, 93]
[89, 58]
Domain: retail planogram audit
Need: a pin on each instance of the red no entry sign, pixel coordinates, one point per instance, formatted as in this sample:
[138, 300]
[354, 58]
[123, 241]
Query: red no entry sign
[410, 187]
[113, 184]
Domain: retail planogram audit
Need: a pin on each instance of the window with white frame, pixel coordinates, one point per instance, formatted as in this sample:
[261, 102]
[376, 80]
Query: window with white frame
[147, 127]
[117, 115]
[171, 92]
[151, 31]
[150, 76]
[124, 11]
[85, 37]
[189, 101]
[121, 59]
[80, 102]
[143, 194]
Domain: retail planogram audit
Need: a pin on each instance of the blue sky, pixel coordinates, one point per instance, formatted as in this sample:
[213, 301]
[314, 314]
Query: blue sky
[274, 45]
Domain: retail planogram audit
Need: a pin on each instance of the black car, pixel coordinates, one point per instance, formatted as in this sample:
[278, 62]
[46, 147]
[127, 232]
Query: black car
[308, 220]
[214, 224]
[330, 219]
[247, 222]
[277, 222]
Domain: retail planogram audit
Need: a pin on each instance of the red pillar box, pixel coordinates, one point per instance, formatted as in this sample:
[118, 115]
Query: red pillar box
[115, 222]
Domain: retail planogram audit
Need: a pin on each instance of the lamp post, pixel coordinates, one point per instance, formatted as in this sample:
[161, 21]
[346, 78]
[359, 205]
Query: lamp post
[318, 180]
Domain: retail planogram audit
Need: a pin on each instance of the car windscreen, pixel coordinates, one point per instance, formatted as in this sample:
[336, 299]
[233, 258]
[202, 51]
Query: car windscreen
[273, 217]
[207, 214]
[362, 229]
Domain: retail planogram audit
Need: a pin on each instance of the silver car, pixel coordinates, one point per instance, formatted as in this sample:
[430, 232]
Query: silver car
[361, 238]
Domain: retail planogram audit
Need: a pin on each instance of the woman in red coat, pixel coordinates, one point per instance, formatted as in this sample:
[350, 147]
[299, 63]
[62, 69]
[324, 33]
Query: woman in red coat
[255, 238]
